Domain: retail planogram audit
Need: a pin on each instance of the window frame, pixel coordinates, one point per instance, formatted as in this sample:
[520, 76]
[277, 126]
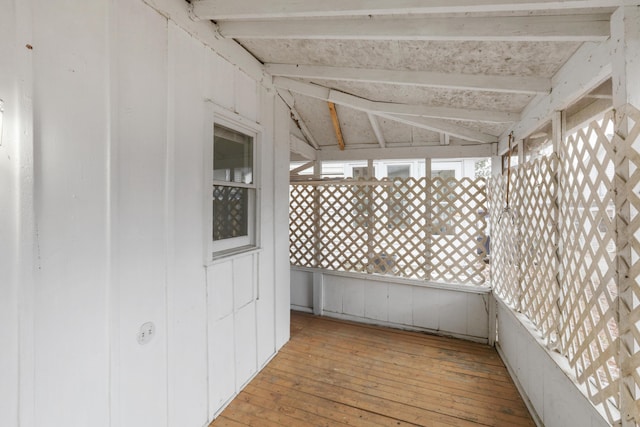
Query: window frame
[221, 248]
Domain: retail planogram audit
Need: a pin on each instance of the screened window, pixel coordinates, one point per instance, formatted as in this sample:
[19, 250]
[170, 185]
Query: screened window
[233, 189]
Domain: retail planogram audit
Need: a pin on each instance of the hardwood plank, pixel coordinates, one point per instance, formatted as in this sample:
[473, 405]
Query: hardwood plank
[325, 408]
[337, 373]
[473, 395]
[394, 410]
[448, 404]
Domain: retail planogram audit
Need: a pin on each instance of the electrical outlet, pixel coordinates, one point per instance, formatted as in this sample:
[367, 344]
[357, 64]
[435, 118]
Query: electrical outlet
[146, 333]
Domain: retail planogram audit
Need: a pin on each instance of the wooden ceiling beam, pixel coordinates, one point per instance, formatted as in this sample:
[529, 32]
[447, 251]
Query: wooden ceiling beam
[269, 9]
[509, 84]
[375, 126]
[589, 67]
[414, 152]
[577, 28]
[368, 106]
[336, 124]
[301, 168]
[439, 126]
[301, 147]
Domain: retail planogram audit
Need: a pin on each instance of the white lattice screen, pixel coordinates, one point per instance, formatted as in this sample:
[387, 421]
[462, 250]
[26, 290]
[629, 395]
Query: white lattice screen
[588, 306]
[566, 253]
[414, 228]
[524, 238]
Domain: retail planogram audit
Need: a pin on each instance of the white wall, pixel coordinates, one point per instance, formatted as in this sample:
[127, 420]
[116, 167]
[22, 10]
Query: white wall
[102, 221]
[15, 202]
[459, 311]
[544, 378]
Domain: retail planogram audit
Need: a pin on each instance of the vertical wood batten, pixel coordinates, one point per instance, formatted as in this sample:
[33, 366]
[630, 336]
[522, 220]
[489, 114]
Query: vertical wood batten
[558, 133]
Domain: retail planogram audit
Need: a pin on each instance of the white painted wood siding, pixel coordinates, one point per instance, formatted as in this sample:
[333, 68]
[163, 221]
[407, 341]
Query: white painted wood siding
[544, 378]
[461, 311]
[103, 211]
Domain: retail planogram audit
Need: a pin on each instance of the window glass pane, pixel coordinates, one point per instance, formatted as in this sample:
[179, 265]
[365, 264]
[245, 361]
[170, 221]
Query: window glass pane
[444, 174]
[230, 212]
[232, 156]
[399, 171]
[361, 172]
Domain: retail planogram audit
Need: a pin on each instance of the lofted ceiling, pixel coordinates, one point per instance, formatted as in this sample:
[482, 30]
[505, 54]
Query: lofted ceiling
[409, 73]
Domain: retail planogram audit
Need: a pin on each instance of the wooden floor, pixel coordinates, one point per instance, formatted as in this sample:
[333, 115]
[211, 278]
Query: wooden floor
[335, 373]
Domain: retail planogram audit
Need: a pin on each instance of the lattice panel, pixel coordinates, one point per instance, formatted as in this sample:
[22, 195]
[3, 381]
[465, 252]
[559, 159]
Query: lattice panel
[506, 239]
[523, 238]
[538, 210]
[400, 229]
[431, 230]
[458, 212]
[344, 233]
[627, 142]
[302, 225]
[230, 206]
[589, 331]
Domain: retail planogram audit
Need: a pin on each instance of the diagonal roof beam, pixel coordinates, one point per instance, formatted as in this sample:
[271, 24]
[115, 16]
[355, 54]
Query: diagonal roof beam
[510, 84]
[336, 124]
[581, 28]
[376, 130]
[362, 104]
[325, 94]
[288, 99]
[261, 9]
[439, 126]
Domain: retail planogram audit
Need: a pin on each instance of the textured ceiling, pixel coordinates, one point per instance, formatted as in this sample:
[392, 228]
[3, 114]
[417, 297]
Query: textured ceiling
[540, 59]
[366, 75]
[437, 97]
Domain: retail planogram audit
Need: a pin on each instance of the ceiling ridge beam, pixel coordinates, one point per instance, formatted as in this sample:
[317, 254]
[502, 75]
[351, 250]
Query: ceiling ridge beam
[580, 28]
[261, 9]
[492, 83]
[368, 106]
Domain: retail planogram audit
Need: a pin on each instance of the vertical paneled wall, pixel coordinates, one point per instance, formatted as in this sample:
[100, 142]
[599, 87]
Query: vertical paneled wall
[70, 150]
[15, 93]
[140, 221]
[461, 311]
[118, 222]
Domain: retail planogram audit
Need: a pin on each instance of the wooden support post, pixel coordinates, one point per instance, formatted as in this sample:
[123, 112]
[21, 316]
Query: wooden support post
[318, 293]
[336, 124]
[370, 169]
[428, 219]
[558, 134]
[625, 34]
[521, 156]
[371, 216]
[317, 217]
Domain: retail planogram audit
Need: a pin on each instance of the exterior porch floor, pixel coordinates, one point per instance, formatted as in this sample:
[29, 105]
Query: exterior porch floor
[336, 373]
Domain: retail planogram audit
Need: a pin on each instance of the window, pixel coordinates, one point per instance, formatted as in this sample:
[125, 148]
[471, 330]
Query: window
[399, 171]
[233, 189]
